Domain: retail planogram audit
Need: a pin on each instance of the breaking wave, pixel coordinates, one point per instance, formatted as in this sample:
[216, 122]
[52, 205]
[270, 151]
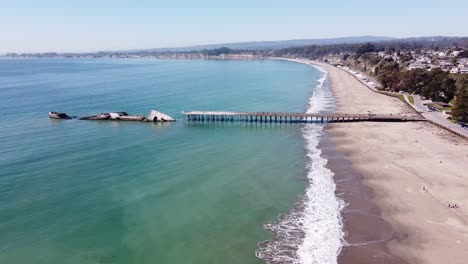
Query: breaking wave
[312, 232]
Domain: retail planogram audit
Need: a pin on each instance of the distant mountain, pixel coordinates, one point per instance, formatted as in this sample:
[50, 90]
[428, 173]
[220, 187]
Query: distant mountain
[268, 45]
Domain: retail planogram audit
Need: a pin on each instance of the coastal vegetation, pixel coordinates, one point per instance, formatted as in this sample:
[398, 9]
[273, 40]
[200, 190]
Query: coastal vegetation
[388, 63]
[460, 104]
[414, 44]
[437, 85]
[217, 52]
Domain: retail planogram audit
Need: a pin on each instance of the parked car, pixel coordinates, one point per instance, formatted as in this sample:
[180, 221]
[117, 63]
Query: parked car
[463, 125]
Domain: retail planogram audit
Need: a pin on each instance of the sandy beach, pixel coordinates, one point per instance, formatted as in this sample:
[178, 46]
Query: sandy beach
[412, 172]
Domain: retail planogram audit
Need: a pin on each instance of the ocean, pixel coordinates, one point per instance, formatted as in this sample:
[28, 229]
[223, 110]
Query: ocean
[84, 192]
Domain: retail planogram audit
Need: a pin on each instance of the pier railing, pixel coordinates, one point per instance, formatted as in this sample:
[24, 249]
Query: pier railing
[280, 117]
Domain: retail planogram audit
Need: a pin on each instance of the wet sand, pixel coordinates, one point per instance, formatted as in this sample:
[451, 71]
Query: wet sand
[366, 232]
[399, 179]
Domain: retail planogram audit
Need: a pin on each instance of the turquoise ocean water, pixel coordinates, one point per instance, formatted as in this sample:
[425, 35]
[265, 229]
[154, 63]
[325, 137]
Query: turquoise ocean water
[122, 192]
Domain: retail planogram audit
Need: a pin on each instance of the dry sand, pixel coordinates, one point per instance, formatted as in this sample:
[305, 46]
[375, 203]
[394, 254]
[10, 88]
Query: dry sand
[398, 160]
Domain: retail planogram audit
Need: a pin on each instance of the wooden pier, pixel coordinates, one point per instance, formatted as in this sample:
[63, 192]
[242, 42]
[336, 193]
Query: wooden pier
[274, 117]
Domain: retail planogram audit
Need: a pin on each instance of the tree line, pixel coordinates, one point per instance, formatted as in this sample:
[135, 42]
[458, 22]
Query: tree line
[437, 85]
[416, 44]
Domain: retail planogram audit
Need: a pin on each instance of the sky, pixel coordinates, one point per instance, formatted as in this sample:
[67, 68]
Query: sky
[102, 25]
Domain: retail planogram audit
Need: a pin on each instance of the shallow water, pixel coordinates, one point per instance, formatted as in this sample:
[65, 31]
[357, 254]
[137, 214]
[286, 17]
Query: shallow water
[121, 192]
[312, 231]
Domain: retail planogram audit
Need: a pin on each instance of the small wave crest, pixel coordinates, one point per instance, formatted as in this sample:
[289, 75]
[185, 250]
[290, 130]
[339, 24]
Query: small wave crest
[312, 232]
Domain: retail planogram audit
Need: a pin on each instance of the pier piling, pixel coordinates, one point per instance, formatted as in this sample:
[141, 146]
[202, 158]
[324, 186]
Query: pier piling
[279, 117]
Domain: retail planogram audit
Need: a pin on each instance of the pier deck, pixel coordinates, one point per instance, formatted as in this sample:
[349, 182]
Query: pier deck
[279, 117]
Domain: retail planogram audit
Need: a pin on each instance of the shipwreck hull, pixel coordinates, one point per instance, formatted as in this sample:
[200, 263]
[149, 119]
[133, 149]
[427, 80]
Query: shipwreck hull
[154, 116]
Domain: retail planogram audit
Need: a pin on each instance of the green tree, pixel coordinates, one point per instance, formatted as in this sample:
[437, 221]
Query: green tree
[460, 106]
[368, 47]
[388, 74]
[463, 54]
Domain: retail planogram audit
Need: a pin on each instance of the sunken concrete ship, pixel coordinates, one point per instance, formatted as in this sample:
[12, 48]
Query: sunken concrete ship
[154, 116]
[58, 115]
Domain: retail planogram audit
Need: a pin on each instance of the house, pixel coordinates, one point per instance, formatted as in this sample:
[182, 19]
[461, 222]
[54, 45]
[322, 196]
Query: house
[464, 70]
[417, 65]
[454, 70]
[445, 64]
[456, 53]
[423, 60]
[463, 62]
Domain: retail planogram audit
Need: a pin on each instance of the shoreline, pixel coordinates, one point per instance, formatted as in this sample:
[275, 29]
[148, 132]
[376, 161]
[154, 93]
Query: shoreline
[366, 233]
[398, 163]
[408, 174]
[312, 230]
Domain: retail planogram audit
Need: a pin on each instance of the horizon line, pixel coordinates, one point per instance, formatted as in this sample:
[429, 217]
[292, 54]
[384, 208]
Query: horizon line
[390, 38]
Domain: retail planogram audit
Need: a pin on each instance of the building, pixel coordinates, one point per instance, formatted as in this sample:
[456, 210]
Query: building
[417, 65]
[456, 53]
[445, 64]
[423, 59]
[463, 62]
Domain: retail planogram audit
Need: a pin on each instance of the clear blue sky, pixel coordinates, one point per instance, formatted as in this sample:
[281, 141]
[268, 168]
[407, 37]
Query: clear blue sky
[91, 25]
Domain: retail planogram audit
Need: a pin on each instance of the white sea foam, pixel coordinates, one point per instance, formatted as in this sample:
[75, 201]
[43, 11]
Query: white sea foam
[312, 232]
[323, 228]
